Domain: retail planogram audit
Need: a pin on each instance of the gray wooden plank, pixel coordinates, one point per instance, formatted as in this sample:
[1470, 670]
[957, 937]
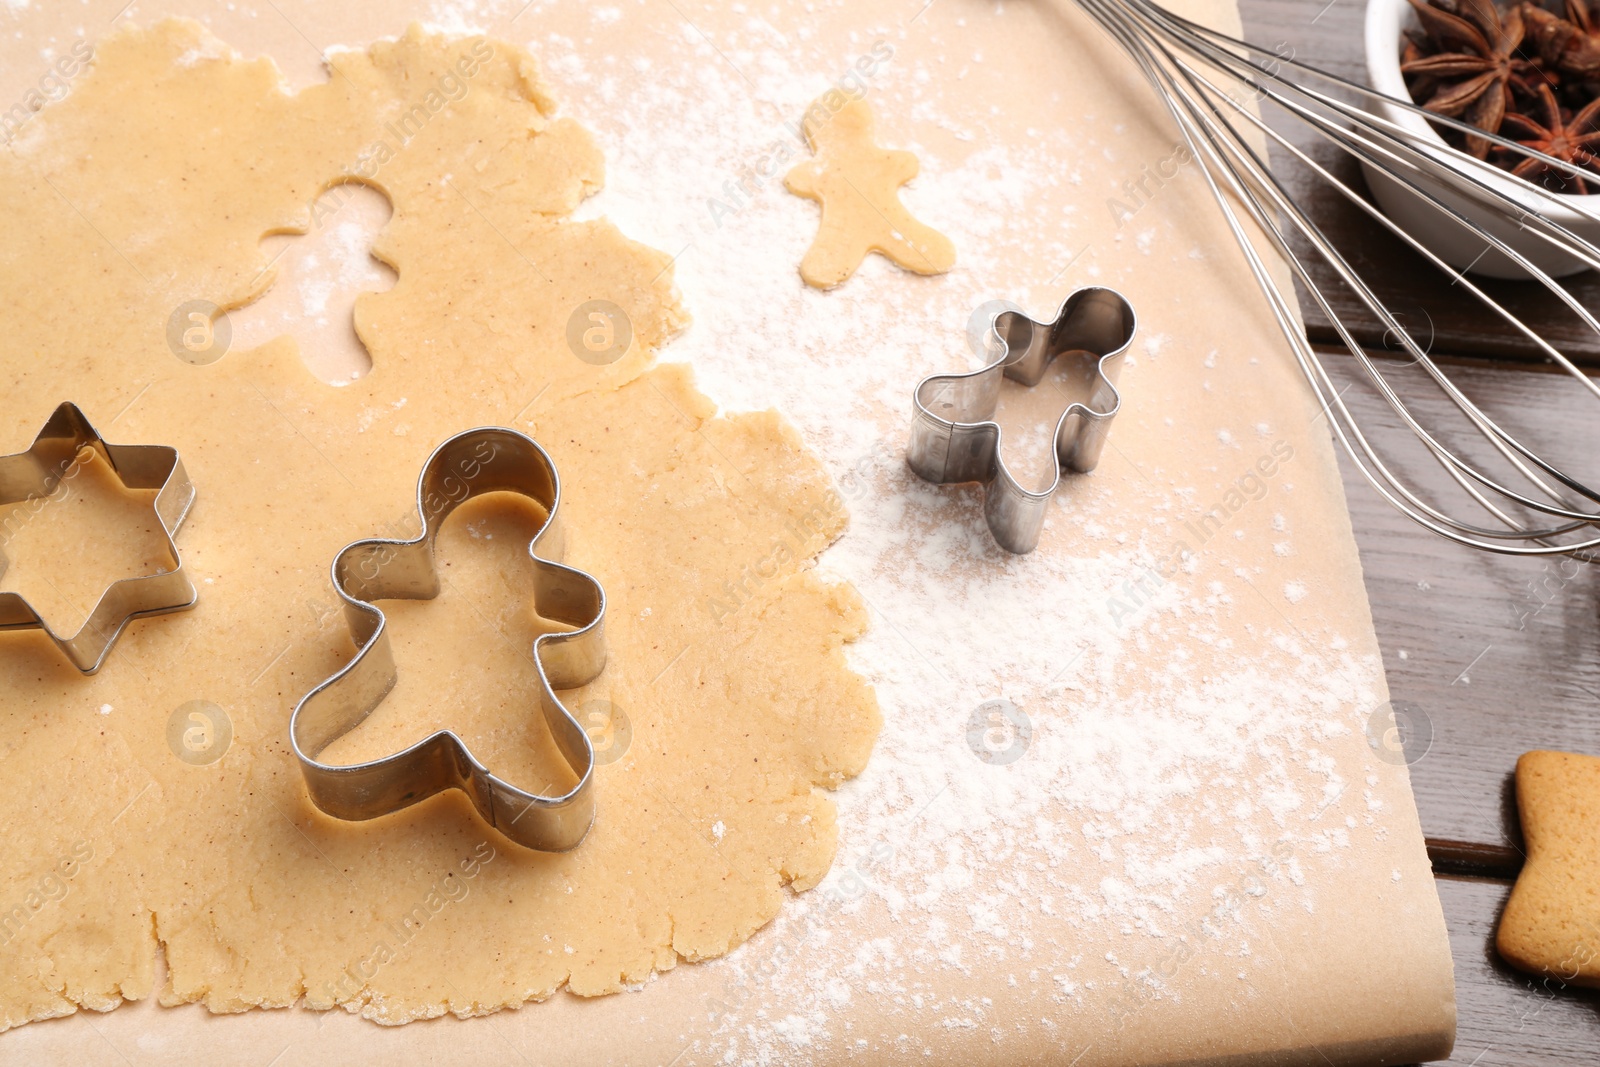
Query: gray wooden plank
[1497, 655]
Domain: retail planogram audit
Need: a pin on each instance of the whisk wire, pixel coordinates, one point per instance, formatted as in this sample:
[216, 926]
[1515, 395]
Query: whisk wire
[1180, 58]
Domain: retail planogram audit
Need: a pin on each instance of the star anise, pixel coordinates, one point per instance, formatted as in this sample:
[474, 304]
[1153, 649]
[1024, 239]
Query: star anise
[1568, 45]
[1574, 139]
[1548, 36]
[1581, 54]
[1474, 65]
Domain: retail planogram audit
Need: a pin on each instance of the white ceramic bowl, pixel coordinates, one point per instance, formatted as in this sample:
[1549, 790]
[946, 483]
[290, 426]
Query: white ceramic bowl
[1447, 238]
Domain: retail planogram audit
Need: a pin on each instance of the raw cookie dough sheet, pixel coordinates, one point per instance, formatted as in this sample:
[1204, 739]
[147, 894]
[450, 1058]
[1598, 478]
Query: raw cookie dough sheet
[1176, 843]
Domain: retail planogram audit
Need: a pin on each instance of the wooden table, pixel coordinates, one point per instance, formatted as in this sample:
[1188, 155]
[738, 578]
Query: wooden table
[1495, 655]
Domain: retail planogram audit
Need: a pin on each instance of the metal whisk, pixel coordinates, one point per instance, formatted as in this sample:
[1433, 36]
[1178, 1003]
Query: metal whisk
[1528, 506]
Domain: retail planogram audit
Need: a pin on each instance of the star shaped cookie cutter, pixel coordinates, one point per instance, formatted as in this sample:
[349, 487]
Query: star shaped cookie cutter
[36, 473]
[485, 460]
[953, 435]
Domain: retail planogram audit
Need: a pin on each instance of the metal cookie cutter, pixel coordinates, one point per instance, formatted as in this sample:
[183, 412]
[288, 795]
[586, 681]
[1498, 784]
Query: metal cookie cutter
[36, 473]
[485, 460]
[954, 437]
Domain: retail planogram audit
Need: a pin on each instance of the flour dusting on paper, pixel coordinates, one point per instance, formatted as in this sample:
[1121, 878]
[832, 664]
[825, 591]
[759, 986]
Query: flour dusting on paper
[1139, 716]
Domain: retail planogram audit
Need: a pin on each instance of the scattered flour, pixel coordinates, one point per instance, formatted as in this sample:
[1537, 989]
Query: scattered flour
[1133, 732]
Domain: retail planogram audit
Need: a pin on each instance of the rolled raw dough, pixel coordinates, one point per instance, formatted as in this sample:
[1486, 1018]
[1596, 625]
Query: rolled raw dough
[150, 188]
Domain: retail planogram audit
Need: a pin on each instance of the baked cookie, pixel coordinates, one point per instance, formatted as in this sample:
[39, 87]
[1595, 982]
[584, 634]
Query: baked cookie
[1551, 924]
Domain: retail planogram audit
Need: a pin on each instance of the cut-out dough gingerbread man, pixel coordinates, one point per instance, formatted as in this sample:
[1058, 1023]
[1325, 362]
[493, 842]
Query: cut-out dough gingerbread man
[858, 185]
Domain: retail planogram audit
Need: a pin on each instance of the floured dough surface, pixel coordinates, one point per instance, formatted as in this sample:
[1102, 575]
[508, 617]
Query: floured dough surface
[858, 182]
[149, 189]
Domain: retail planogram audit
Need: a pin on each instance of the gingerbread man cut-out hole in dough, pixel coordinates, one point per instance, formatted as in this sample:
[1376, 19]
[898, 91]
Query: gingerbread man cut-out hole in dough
[319, 275]
[858, 185]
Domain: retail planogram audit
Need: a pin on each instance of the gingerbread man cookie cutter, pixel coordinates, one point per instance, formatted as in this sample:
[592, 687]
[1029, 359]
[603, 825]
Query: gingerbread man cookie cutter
[485, 460]
[36, 473]
[953, 435]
